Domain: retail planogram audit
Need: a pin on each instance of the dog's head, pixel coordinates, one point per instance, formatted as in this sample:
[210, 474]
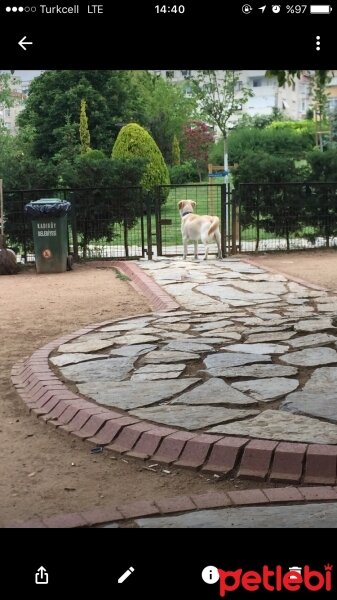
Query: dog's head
[186, 206]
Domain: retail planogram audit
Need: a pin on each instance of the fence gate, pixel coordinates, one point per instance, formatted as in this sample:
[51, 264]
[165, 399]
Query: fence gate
[211, 199]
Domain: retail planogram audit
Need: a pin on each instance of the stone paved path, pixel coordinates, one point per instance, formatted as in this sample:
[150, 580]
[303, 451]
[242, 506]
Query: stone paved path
[298, 516]
[249, 353]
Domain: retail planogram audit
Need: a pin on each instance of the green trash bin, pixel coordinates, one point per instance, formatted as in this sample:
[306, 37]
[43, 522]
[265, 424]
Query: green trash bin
[50, 231]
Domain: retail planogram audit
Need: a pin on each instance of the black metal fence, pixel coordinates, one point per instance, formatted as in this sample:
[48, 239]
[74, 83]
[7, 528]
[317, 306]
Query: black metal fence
[104, 223]
[125, 222]
[286, 216]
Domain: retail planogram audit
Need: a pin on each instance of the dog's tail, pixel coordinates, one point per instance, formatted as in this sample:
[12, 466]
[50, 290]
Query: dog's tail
[214, 226]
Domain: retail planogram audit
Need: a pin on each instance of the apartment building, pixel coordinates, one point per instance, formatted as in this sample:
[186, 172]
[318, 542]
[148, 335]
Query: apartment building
[292, 101]
[20, 81]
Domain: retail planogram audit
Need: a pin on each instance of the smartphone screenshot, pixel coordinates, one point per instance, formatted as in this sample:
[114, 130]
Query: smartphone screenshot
[168, 235]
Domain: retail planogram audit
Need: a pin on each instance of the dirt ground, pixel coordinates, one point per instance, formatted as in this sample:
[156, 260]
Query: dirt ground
[37, 474]
[315, 266]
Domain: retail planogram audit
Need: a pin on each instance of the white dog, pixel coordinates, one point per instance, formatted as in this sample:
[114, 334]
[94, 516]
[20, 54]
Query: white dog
[196, 227]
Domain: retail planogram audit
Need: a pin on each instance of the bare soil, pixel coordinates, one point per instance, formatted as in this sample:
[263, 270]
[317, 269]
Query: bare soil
[314, 266]
[45, 471]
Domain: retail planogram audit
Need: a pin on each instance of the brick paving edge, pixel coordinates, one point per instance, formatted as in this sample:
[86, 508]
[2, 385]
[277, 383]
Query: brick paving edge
[123, 513]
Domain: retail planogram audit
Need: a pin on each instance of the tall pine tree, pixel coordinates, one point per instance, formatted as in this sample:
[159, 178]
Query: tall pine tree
[84, 129]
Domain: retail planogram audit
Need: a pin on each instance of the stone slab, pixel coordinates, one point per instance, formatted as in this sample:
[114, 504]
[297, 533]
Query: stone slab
[198, 418]
[323, 380]
[91, 345]
[73, 358]
[267, 389]
[284, 426]
[134, 350]
[169, 356]
[314, 339]
[223, 360]
[311, 357]
[270, 337]
[109, 369]
[213, 391]
[312, 404]
[312, 325]
[259, 371]
[127, 394]
[262, 348]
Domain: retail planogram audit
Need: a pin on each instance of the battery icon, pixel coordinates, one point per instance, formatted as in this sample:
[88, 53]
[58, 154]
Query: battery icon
[320, 9]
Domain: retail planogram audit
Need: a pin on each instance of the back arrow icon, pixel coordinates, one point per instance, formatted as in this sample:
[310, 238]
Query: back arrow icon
[23, 44]
[263, 8]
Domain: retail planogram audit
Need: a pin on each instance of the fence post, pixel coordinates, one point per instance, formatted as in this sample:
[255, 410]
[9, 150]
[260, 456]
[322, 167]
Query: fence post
[74, 226]
[234, 222]
[223, 219]
[149, 227]
[24, 227]
[158, 221]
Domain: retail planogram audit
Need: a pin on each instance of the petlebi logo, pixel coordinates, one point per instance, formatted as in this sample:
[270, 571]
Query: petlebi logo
[270, 579]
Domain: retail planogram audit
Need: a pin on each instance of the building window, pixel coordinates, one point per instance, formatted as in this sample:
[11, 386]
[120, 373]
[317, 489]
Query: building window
[261, 81]
[186, 73]
[238, 86]
[169, 74]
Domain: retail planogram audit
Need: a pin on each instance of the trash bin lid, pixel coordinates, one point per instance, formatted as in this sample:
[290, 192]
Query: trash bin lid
[47, 201]
[52, 207]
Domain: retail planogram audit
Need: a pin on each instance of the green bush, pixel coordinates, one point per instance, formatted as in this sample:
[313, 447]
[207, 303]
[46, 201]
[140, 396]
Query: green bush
[323, 165]
[134, 141]
[187, 172]
[277, 141]
[216, 153]
[277, 209]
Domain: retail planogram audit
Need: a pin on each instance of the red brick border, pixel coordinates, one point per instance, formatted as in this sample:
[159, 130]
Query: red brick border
[49, 398]
[181, 504]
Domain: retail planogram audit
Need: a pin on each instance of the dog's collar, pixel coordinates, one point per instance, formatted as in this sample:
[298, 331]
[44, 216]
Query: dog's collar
[186, 213]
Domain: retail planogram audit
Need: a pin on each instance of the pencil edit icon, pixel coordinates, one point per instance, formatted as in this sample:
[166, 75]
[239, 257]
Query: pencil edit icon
[126, 575]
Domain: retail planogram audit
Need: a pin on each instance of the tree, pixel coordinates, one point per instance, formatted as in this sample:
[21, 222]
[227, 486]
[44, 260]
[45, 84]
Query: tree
[291, 139]
[165, 109]
[197, 139]
[175, 151]
[270, 202]
[288, 77]
[84, 128]
[6, 99]
[218, 99]
[320, 98]
[111, 96]
[104, 194]
[134, 141]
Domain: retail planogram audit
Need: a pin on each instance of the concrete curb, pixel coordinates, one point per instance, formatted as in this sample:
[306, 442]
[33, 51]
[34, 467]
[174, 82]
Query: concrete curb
[262, 460]
[123, 513]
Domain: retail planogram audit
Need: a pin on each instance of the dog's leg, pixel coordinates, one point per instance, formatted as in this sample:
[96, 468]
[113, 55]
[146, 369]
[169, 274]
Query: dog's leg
[217, 239]
[206, 251]
[196, 250]
[185, 249]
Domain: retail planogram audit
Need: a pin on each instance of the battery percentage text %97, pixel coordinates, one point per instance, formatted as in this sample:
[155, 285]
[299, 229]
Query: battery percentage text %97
[296, 8]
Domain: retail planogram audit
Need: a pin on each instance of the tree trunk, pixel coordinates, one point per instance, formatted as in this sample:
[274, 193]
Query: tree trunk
[225, 162]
